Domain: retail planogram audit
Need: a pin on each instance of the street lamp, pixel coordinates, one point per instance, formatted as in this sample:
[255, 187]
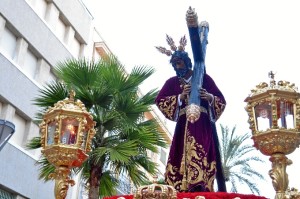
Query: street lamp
[7, 129]
[67, 130]
[274, 118]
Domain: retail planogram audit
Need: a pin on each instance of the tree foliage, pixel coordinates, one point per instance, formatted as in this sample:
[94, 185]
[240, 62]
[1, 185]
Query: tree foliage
[123, 136]
[237, 160]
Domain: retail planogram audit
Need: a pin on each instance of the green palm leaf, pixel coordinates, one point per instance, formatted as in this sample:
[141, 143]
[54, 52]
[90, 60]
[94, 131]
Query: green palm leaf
[34, 143]
[107, 184]
[50, 94]
[237, 158]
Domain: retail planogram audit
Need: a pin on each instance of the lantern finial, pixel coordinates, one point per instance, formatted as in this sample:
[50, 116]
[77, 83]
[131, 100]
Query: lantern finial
[272, 81]
[72, 95]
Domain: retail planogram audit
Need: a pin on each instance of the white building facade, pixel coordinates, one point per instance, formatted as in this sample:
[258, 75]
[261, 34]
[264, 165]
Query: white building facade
[34, 36]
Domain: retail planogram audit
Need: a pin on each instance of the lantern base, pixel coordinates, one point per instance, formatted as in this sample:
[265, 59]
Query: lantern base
[276, 141]
[65, 155]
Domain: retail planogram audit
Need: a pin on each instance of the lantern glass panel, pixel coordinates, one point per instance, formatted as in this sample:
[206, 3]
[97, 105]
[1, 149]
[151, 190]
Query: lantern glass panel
[263, 116]
[51, 128]
[285, 114]
[69, 131]
[84, 141]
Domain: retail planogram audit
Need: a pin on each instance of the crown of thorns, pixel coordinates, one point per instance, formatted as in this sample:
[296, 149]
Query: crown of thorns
[181, 47]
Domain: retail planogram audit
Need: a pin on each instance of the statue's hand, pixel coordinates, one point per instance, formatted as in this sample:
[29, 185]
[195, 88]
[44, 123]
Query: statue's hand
[186, 91]
[206, 95]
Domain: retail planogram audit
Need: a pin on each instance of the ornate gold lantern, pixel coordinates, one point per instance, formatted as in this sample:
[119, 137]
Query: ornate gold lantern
[67, 130]
[155, 191]
[274, 118]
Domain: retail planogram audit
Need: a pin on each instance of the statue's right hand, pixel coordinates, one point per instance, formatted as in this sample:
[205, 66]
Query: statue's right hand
[186, 91]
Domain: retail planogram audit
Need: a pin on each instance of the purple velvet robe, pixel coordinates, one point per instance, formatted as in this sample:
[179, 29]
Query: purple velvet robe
[200, 162]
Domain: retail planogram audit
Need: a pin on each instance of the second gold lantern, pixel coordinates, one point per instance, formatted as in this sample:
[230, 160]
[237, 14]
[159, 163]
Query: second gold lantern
[67, 130]
[274, 118]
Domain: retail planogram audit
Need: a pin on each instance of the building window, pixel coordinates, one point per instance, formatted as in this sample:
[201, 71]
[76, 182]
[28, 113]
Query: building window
[8, 43]
[75, 47]
[6, 195]
[20, 132]
[163, 156]
[30, 64]
[61, 30]
[40, 7]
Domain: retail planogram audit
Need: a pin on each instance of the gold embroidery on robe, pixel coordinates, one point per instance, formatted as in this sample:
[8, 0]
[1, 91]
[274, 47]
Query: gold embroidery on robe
[219, 107]
[199, 170]
[168, 106]
[170, 176]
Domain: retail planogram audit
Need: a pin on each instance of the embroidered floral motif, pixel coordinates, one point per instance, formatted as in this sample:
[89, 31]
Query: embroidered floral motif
[168, 106]
[219, 107]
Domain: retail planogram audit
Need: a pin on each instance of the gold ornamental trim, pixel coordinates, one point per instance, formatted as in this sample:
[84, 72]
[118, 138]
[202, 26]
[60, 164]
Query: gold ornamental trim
[276, 141]
[281, 86]
[65, 155]
[193, 112]
[183, 110]
[69, 106]
[292, 193]
[155, 191]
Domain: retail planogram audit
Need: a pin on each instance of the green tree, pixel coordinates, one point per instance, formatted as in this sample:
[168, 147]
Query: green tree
[123, 136]
[237, 157]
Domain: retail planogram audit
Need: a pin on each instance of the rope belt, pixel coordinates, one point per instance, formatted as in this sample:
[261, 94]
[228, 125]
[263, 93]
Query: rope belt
[183, 111]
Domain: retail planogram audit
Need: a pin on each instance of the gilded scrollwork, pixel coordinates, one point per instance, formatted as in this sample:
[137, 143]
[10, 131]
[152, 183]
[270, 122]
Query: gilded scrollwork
[62, 181]
[278, 174]
[199, 169]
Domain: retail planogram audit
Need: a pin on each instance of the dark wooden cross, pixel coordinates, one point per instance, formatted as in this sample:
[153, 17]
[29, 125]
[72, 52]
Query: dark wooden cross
[198, 37]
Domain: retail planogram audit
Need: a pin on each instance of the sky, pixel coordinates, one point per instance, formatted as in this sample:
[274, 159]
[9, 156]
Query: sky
[247, 39]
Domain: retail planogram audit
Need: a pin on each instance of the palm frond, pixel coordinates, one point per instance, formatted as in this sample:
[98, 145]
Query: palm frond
[138, 75]
[34, 143]
[78, 73]
[120, 152]
[252, 186]
[237, 159]
[138, 175]
[123, 151]
[108, 184]
[51, 94]
[45, 169]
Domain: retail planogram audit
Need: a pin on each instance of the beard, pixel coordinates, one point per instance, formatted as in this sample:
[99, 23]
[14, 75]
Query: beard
[181, 72]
